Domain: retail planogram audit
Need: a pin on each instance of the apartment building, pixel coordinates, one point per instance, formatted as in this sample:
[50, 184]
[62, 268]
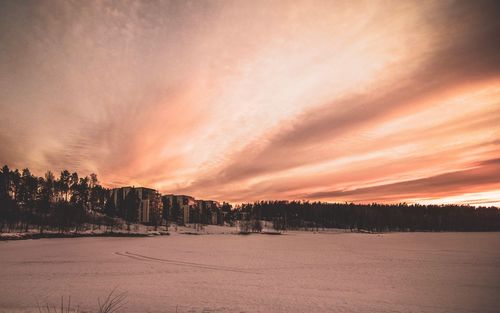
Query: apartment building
[180, 208]
[209, 212]
[150, 208]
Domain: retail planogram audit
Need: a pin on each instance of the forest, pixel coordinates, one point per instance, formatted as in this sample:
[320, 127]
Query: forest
[63, 203]
[69, 202]
[372, 217]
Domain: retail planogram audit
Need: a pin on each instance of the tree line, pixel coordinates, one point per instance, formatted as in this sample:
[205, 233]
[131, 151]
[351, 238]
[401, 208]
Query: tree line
[371, 217]
[61, 203]
[68, 202]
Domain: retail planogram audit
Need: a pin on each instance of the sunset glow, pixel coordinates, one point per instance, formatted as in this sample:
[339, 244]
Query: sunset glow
[239, 101]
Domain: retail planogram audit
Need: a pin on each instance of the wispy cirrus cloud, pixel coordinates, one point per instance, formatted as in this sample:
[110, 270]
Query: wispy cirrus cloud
[244, 101]
[486, 173]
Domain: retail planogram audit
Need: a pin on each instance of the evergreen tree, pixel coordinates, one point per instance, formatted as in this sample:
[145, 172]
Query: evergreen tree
[131, 205]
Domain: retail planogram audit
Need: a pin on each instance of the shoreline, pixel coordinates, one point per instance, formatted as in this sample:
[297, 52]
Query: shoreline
[51, 235]
[27, 236]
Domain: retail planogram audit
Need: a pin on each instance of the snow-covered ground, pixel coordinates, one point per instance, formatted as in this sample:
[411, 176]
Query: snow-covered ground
[137, 229]
[294, 272]
[201, 229]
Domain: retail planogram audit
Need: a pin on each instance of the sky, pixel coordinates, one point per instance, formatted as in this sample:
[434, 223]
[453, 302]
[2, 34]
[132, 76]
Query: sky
[239, 101]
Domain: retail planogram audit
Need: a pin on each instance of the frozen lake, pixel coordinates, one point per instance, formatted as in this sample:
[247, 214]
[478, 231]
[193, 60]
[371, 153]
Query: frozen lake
[296, 272]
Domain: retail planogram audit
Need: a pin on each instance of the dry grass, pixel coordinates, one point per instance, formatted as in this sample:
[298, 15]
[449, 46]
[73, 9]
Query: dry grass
[113, 303]
[64, 308]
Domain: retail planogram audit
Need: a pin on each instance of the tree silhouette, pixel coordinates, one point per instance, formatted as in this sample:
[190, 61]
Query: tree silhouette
[68, 203]
[110, 209]
[64, 183]
[130, 207]
[373, 217]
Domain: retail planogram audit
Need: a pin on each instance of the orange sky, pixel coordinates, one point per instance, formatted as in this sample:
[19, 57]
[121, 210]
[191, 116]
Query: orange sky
[359, 101]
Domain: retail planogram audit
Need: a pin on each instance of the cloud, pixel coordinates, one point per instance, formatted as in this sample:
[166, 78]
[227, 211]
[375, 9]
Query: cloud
[471, 55]
[485, 174]
[240, 101]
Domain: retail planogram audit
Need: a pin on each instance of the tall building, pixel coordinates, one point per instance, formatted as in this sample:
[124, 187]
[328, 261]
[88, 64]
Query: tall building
[208, 212]
[150, 208]
[180, 208]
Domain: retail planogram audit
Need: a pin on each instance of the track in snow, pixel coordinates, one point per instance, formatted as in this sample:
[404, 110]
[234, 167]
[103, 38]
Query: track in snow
[140, 257]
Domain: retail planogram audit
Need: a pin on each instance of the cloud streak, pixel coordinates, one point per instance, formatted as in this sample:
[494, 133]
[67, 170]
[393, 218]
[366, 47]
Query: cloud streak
[240, 101]
[486, 174]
